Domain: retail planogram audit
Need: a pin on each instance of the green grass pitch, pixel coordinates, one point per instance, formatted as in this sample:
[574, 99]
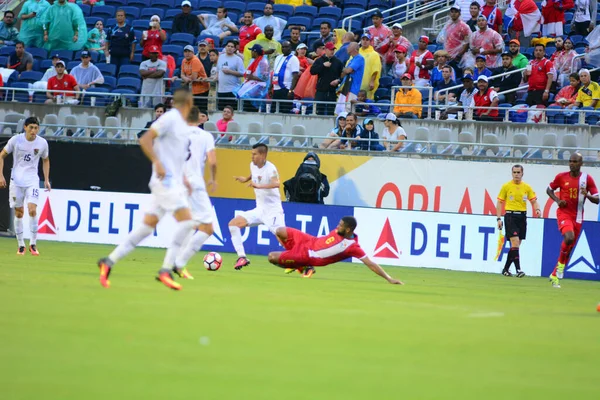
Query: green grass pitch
[261, 334]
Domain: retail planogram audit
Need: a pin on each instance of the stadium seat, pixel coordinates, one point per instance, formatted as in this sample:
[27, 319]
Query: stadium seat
[72, 64]
[165, 5]
[6, 50]
[132, 71]
[85, 9]
[443, 135]
[166, 25]
[139, 3]
[91, 21]
[307, 11]
[555, 117]
[354, 25]
[385, 82]
[214, 38]
[149, 12]
[130, 83]
[382, 93]
[115, 3]
[316, 23]
[112, 127]
[94, 56]
[11, 121]
[421, 135]
[235, 6]
[131, 12]
[330, 12]
[362, 4]
[282, 10]
[549, 140]
[68, 126]
[301, 21]
[256, 8]
[3, 61]
[126, 92]
[381, 4]
[110, 82]
[137, 58]
[491, 145]
[31, 76]
[44, 65]
[520, 139]
[141, 24]
[172, 49]
[20, 96]
[502, 113]
[103, 11]
[101, 100]
[49, 119]
[37, 53]
[182, 39]
[65, 55]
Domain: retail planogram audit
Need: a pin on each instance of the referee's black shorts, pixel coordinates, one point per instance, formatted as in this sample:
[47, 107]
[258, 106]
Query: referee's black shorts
[515, 224]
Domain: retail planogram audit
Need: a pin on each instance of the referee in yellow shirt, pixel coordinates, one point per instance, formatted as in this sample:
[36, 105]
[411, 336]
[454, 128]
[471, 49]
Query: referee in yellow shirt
[513, 196]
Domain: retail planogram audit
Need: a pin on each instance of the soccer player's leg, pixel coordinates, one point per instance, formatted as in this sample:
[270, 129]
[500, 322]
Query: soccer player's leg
[16, 197]
[185, 224]
[242, 220]
[32, 196]
[567, 229]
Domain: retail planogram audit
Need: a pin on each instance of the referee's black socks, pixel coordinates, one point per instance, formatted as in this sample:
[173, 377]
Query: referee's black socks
[513, 256]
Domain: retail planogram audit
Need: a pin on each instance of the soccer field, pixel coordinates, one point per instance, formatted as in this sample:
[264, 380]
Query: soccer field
[261, 334]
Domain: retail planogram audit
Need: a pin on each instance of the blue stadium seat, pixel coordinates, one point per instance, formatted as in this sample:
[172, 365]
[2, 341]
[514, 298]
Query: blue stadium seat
[214, 38]
[139, 3]
[381, 4]
[131, 71]
[172, 49]
[65, 55]
[568, 17]
[355, 25]
[283, 10]
[116, 3]
[182, 39]
[130, 83]
[101, 100]
[131, 12]
[385, 82]
[165, 5]
[235, 6]
[382, 93]
[91, 21]
[256, 8]
[330, 12]
[72, 64]
[555, 117]
[149, 12]
[352, 11]
[6, 50]
[30, 76]
[38, 54]
[137, 58]
[132, 99]
[166, 25]
[110, 82]
[3, 61]
[104, 11]
[44, 65]
[316, 23]
[93, 56]
[303, 21]
[20, 96]
[170, 14]
[85, 9]
[306, 11]
[356, 3]
[107, 69]
[141, 24]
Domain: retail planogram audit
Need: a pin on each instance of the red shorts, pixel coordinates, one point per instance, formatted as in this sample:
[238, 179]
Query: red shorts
[568, 225]
[296, 246]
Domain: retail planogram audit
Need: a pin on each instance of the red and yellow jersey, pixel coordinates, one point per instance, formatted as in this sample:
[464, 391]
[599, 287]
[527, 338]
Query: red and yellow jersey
[571, 192]
[333, 248]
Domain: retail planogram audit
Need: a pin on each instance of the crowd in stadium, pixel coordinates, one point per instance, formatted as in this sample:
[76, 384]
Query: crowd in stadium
[298, 50]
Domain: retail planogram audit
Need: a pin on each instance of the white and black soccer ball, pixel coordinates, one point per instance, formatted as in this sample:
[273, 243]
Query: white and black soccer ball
[212, 261]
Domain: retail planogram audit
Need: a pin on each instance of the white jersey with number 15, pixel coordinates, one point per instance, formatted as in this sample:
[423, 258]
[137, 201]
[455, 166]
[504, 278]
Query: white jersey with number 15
[26, 157]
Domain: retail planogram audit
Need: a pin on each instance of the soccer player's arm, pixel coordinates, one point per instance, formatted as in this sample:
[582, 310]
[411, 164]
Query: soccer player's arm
[555, 184]
[537, 212]
[3, 154]
[211, 161]
[592, 191]
[147, 141]
[373, 266]
[500, 203]
[46, 168]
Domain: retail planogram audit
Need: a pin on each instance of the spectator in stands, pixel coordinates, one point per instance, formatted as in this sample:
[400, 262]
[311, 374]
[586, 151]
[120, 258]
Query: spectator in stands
[464, 99]
[519, 60]
[120, 42]
[204, 56]
[285, 77]
[393, 135]
[526, 18]
[396, 39]
[271, 47]
[304, 61]
[193, 75]
[400, 66]
[354, 71]
[567, 96]
[8, 31]
[487, 42]
[153, 37]
[333, 138]
[589, 92]
[380, 33]
[63, 85]
[408, 99]
[295, 38]
[474, 11]
[159, 110]
[32, 17]
[325, 36]
[421, 63]
[485, 97]
[256, 77]
[369, 139]
[465, 7]
[553, 13]
[213, 79]
[363, 106]
[226, 118]
[506, 82]
[231, 69]
[86, 74]
[219, 25]
[445, 83]
[539, 75]
[342, 52]
[480, 68]
[584, 18]
[352, 130]
[152, 72]
[249, 31]
[456, 38]
[268, 19]
[492, 12]
[563, 60]
[440, 61]
[97, 38]
[370, 81]
[328, 68]
[186, 22]
[50, 72]
[20, 60]
[64, 27]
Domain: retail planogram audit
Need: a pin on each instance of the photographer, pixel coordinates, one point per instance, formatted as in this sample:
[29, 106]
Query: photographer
[309, 185]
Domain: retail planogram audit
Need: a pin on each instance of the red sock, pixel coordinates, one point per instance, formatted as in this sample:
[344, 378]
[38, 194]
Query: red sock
[565, 252]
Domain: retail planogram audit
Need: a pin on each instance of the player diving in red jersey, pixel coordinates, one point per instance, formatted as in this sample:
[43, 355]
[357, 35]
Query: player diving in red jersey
[306, 251]
[575, 188]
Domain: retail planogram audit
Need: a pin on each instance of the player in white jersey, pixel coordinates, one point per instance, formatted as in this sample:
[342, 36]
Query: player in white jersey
[264, 178]
[27, 149]
[166, 144]
[202, 152]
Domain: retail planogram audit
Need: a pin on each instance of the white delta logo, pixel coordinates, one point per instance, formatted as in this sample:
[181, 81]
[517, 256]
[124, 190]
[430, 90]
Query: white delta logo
[582, 260]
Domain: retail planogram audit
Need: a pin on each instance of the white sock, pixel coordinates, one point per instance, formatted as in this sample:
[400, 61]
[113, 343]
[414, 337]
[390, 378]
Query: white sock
[33, 225]
[134, 238]
[182, 230]
[236, 239]
[19, 231]
[193, 246]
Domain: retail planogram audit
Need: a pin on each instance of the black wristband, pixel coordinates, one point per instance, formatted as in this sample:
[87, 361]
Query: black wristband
[498, 219]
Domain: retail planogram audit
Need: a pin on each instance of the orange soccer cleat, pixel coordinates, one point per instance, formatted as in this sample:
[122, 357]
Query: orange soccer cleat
[167, 280]
[105, 269]
[33, 250]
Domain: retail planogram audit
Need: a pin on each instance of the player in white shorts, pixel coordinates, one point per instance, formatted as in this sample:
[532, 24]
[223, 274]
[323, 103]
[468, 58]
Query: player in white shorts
[27, 149]
[264, 178]
[167, 145]
[202, 152]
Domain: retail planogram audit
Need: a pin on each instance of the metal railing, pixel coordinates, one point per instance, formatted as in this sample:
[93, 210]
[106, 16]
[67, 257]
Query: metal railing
[440, 19]
[394, 89]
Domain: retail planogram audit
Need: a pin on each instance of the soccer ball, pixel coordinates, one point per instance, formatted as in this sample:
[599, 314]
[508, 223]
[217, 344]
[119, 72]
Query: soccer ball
[212, 261]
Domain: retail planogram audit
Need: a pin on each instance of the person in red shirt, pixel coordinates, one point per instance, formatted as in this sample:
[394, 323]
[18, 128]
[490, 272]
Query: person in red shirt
[539, 75]
[485, 97]
[304, 252]
[249, 31]
[493, 14]
[575, 188]
[62, 85]
[155, 36]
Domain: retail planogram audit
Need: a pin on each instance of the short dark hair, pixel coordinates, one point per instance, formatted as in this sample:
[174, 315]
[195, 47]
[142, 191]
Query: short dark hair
[326, 23]
[351, 115]
[9, 12]
[228, 107]
[215, 50]
[518, 166]
[249, 12]
[295, 28]
[575, 75]
[230, 41]
[538, 45]
[476, 4]
[160, 105]
[194, 115]
[19, 42]
[120, 10]
[261, 147]
[447, 67]
[32, 120]
[350, 222]
[223, 8]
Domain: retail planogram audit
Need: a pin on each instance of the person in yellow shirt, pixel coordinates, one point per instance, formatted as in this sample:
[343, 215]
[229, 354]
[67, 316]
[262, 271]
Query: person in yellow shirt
[589, 93]
[513, 197]
[372, 73]
[271, 47]
[408, 96]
